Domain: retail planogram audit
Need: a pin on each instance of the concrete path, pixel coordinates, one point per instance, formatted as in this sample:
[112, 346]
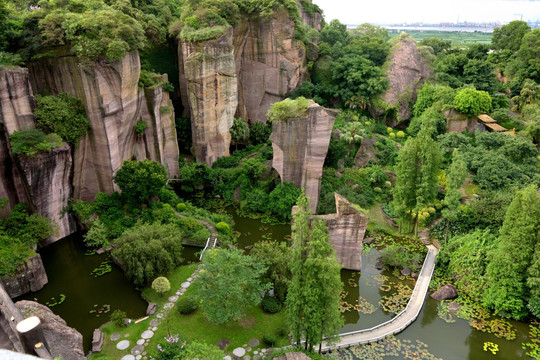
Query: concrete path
[403, 319]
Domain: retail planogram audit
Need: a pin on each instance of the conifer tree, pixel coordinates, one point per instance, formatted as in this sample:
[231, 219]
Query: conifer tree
[457, 172]
[513, 271]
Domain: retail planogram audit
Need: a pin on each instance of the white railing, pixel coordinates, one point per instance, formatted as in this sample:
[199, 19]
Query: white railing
[204, 250]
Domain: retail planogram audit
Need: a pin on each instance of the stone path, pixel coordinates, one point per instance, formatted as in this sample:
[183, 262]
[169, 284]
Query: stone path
[403, 319]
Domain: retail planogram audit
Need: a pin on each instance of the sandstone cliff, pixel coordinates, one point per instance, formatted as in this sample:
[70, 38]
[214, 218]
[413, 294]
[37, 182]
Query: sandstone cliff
[300, 146]
[406, 73]
[30, 277]
[254, 64]
[114, 103]
[64, 341]
[211, 84]
[457, 122]
[310, 18]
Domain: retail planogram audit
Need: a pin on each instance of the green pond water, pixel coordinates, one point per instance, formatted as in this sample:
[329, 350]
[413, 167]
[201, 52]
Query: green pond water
[69, 271]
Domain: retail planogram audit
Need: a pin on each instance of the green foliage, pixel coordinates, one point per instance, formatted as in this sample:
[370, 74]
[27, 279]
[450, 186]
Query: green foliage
[430, 94]
[187, 305]
[183, 133]
[270, 339]
[270, 304]
[194, 176]
[63, 115]
[282, 199]
[223, 227]
[259, 133]
[161, 285]
[288, 109]
[276, 256]
[13, 253]
[438, 45]
[472, 102]
[33, 141]
[140, 126]
[396, 256]
[228, 283]
[226, 162]
[140, 180]
[117, 317]
[507, 272]
[429, 115]
[30, 229]
[528, 55]
[509, 36]
[147, 250]
[239, 131]
[97, 235]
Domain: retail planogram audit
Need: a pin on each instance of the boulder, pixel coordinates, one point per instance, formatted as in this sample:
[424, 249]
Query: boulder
[406, 271]
[30, 277]
[366, 153]
[447, 292]
[379, 264]
[64, 342]
[151, 309]
[97, 340]
[300, 146]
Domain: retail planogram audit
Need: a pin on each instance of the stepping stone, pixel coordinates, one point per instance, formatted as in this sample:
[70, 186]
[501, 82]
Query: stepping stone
[227, 358]
[115, 336]
[168, 306]
[263, 351]
[248, 349]
[173, 298]
[223, 343]
[189, 279]
[122, 345]
[255, 352]
[128, 357]
[239, 352]
[256, 357]
[140, 341]
[126, 336]
[154, 329]
[247, 357]
[185, 285]
[254, 342]
[138, 357]
[137, 350]
[147, 334]
[178, 292]
[155, 322]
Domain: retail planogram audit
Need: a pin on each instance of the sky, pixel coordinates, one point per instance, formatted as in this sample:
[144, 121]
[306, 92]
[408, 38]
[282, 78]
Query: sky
[428, 11]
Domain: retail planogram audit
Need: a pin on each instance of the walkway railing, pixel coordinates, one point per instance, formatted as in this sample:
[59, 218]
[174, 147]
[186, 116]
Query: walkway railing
[401, 320]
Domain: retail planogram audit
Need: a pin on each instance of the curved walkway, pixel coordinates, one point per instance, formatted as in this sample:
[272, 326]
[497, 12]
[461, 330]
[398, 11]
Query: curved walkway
[401, 320]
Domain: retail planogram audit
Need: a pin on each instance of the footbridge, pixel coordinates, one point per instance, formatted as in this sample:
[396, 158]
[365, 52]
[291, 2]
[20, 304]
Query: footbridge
[401, 320]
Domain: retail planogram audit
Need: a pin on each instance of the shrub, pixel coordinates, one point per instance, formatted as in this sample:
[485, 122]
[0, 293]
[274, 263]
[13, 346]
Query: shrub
[259, 133]
[400, 134]
[161, 285]
[62, 114]
[165, 110]
[181, 207]
[140, 126]
[223, 228]
[269, 339]
[270, 304]
[140, 180]
[226, 162]
[472, 102]
[288, 109]
[186, 305]
[33, 141]
[117, 317]
[97, 235]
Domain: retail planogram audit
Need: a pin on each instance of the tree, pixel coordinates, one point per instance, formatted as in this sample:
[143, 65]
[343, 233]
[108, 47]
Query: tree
[437, 44]
[529, 55]
[417, 167]
[508, 272]
[148, 250]
[509, 36]
[472, 102]
[352, 133]
[140, 180]
[239, 131]
[97, 235]
[455, 178]
[335, 32]
[533, 282]
[229, 283]
[295, 304]
[277, 257]
[323, 286]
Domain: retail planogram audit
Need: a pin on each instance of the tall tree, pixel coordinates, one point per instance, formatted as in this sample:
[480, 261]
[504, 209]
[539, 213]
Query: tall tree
[323, 318]
[456, 175]
[416, 172]
[509, 292]
[295, 303]
[509, 36]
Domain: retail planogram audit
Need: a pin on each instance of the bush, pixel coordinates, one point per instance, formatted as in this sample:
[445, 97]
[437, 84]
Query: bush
[270, 339]
[223, 228]
[140, 180]
[117, 317]
[97, 235]
[226, 162]
[270, 304]
[288, 109]
[472, 102]
[140, 127]
[186, 305]
[161, 285]
[181, 207]
[33, 141]
[63, 115]
[259, 133]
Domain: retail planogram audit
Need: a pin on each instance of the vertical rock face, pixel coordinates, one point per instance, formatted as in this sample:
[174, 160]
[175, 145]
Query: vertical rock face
[300, 146]
[347, 229]
[313, 19]
[47, 180]
[114, 103]
[64, 341]
[210, 70]
[272, 65]
[456, 122]
[31, 277]
[407, 73]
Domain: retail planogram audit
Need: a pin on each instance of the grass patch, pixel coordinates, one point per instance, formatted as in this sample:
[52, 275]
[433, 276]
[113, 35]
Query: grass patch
[109, 351]
[256, 324]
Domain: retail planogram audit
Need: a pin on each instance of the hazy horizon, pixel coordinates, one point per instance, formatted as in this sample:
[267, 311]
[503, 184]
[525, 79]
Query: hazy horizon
[425, 11]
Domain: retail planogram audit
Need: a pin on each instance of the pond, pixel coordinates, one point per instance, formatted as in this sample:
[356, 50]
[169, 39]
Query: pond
[70, 273]
[89, 300]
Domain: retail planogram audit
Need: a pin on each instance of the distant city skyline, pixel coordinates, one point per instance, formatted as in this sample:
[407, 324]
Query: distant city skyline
[429, 11]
